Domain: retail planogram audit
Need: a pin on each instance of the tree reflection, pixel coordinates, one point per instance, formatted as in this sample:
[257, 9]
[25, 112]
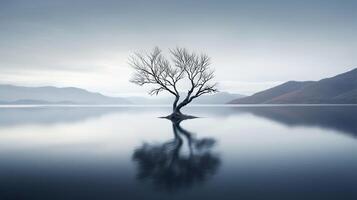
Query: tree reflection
[169, 167]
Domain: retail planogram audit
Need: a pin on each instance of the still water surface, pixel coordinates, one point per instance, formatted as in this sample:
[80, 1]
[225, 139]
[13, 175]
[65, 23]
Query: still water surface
[289, 152]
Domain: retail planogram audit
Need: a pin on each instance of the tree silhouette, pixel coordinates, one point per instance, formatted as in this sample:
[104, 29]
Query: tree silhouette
[155, 69]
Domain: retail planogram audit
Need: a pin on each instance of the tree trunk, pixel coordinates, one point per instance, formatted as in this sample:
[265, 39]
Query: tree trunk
[181, 105]
[174, 105]
[176, 114]
[176, 110]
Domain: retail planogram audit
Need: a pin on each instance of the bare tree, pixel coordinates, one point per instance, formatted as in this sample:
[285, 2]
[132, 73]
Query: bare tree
[157, 70]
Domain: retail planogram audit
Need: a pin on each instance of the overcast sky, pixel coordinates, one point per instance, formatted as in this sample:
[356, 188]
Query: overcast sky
[253, 44]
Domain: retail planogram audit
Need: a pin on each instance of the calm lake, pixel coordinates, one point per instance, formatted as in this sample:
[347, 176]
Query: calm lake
[254, 152]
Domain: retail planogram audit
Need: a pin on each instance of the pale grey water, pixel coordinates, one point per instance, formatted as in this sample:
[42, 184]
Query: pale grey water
[289, 152]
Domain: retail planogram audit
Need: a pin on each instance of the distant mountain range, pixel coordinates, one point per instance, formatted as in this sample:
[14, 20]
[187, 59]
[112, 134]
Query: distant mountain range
[10, 94]
[340, 89]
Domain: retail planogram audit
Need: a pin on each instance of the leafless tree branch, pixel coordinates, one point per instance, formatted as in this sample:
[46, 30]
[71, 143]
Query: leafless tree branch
[155, 69]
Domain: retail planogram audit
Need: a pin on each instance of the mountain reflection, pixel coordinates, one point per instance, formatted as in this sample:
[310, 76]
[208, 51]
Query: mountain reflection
[48, 115]
[340, 118]
[168, 167]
